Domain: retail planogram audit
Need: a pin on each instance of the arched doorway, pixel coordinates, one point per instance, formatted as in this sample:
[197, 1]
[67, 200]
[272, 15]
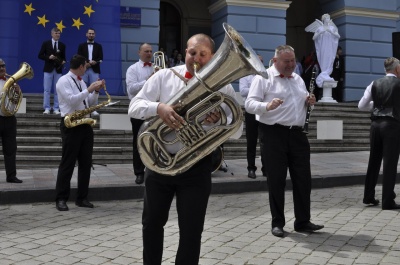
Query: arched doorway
[170, 28]
[298, 17]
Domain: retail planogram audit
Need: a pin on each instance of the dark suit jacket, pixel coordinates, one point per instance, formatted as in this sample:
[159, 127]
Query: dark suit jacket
[46, 50]
[97, 54]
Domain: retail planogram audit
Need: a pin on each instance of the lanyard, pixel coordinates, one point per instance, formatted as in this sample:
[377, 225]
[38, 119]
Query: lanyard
[80, 90]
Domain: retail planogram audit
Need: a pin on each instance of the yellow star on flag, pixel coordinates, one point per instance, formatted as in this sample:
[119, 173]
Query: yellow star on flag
[29, 9]
[88, 10]
[77, 23]
[60, 25]
[42, 21]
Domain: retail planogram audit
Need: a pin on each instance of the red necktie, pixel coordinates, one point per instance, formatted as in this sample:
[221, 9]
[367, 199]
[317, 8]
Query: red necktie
[3, 78]
[188, 75]
[282, 76]
[147, 64]
[79, 78]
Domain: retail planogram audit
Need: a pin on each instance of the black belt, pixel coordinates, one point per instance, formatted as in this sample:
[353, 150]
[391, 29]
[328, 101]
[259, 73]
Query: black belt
[292, 127]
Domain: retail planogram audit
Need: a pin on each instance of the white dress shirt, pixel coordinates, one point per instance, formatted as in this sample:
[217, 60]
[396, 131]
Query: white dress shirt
[136, 76]
[90, 51]
[293, 92]
[366, 102]
[70, 98]
[2, 83]
[244, 85]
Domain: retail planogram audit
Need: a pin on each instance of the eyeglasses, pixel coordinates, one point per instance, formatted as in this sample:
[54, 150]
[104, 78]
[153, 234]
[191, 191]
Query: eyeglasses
[2, 66]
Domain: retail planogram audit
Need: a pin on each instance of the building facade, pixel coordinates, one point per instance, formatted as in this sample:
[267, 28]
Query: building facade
[365, 27]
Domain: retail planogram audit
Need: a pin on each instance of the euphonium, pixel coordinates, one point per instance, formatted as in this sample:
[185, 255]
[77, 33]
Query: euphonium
[11, 97]
[78, 117]
[233, 60]
[159, 61]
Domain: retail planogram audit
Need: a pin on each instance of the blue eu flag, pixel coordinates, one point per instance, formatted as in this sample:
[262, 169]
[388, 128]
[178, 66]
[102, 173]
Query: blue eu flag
[27, 23]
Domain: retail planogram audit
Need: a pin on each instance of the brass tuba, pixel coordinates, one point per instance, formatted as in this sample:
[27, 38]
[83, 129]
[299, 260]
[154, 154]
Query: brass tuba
[11, 96]
[233, 60]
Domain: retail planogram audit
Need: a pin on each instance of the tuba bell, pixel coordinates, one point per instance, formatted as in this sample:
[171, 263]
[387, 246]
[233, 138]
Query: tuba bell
[11, 96]
[233, 60]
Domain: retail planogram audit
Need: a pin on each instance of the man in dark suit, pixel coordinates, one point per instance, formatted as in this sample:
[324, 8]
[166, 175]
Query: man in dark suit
[93, 52]
[52, 53]
[382, 98]
[338, 74]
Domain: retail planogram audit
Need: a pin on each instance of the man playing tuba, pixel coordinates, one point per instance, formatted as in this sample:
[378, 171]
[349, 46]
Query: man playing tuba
[191, 188]
[8, 133]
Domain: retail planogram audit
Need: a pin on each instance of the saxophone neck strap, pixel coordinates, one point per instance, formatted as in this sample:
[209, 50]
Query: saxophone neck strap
[80, 90]
[180, 76]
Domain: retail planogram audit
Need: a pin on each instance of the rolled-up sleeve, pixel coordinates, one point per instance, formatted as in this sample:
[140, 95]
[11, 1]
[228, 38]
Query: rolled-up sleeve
[255, 99]
[366, 102]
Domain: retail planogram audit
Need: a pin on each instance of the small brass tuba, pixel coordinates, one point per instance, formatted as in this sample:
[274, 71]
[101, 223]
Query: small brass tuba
[78, 117]
[233, 60]
[159, 61]
[11, 96]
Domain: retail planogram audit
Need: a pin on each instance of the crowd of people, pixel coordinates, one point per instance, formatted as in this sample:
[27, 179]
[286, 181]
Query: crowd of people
[275, 112]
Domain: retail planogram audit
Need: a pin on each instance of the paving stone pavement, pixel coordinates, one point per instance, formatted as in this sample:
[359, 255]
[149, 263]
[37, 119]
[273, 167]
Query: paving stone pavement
[117, 181]
[237, 232]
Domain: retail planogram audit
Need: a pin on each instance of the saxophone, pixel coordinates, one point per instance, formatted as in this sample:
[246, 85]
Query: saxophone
[78, 117]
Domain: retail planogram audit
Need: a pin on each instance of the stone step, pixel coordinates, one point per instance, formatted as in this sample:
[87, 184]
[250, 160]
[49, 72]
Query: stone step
[39, 141]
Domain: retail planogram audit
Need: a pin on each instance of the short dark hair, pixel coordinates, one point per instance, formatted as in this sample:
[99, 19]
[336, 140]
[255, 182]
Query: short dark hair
[76, 61]
[55, 29]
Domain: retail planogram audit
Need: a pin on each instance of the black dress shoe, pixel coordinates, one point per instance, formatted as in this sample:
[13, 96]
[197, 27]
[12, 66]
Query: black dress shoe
[394, 206]
[309, 227]
[277, 231]
[372, 201]
[14, 180]
[61, 205]
[252, 174]
[84, 203]
[139, 179]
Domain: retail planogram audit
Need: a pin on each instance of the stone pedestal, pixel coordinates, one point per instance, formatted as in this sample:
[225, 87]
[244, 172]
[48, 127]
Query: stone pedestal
[329, 129]
[327, 91]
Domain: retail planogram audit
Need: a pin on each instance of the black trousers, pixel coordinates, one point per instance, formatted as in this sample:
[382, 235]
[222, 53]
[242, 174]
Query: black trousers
[251, 140]
[8, 133]
[192, 190]
[77, 145]
[138, 166]
[285, 148]
[385, 145]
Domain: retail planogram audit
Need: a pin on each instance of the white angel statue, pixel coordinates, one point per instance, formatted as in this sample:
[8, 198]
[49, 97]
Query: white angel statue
[326, 39]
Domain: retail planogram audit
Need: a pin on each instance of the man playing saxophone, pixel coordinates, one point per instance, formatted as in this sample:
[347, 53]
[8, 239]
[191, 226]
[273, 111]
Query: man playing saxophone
[191, 188]
[8, 134]
[77, 141]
